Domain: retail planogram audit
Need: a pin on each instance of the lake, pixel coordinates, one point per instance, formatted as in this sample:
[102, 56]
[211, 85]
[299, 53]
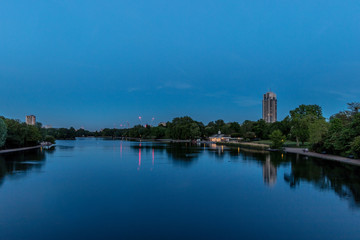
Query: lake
[110, 189]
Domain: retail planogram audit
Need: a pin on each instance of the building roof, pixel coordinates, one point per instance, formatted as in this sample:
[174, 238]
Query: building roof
[220, 136]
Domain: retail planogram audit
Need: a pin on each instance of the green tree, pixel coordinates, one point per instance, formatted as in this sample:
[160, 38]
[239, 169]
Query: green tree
[354, 107]
[301, 117]
[3, 132]
[307, 110]
[261, 129]
[249, 136]
[355, 147]
[50, 139]
[317, 131]
[71, 133]
[277, 139]
[15, 133]
[184, 128]
[32, 135]
[344, 127]
[300, 130]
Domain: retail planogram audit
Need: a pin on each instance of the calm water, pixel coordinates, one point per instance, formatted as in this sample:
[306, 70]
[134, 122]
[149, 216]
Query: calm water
[104, 189]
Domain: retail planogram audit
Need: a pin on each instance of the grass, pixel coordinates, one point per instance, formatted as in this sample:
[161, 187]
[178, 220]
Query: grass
[286, 143]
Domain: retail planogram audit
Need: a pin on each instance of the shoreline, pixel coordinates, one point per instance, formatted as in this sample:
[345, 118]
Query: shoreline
[19, 149]
[330, 157]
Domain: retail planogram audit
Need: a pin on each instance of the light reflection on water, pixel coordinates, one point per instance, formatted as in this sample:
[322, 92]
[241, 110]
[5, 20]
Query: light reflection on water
[133, 189]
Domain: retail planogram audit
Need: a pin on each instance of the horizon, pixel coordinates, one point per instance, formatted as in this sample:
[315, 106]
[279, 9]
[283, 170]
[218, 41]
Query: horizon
[154, 123]
[91, 65]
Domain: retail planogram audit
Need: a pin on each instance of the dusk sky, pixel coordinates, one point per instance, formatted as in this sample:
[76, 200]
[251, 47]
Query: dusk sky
[94, 64]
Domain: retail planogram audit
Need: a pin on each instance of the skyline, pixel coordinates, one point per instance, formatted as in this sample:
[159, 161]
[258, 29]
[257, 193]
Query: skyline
[152, 121]
[92, 65]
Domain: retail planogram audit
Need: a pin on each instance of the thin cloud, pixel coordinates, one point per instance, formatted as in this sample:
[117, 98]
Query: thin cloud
[348, 95]
[132, 89]
[176, 85]
[247, 102]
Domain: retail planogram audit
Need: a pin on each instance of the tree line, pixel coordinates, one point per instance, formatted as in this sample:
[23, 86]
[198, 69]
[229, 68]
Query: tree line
[339, 135]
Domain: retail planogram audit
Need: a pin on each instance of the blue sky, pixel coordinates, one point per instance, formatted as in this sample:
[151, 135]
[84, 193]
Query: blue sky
[94, 64]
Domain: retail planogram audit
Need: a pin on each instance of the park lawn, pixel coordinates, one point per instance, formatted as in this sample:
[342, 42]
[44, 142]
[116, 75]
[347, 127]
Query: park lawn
[286, 144]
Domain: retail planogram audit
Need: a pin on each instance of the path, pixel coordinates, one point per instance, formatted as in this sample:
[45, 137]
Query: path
[19, 149]
[324, 156]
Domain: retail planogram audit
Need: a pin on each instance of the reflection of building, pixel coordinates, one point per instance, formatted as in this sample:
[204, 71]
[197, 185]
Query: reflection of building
[30, 120]
[269, 172]
[270, 107]
[219, 138]
[218, 149]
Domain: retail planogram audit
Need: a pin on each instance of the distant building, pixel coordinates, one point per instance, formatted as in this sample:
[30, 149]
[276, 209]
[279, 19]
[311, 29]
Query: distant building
[270, 107]
[219, 138]
[47, 126]
[162, 124]
[30, 120]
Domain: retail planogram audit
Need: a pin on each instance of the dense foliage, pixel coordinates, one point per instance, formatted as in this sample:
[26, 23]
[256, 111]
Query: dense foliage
[305, 124]
[3, 132]
[277, 139]
[342, 135]
[20, 134]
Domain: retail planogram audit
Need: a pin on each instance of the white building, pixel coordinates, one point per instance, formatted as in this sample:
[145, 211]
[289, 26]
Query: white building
[219, 138]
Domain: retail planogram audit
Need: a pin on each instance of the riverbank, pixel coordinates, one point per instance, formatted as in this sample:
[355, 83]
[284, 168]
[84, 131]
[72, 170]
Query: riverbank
[323, 156]
[248, 145]
[19, 149]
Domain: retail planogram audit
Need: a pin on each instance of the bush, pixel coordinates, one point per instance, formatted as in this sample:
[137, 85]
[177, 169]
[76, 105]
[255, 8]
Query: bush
[50, 139]
[277, 139]
[250, 135]
[3, 132]
[355, 147]
[236, 135]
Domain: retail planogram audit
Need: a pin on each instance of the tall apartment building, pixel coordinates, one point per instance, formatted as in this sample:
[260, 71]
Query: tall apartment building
[270, 107]
[30, 120]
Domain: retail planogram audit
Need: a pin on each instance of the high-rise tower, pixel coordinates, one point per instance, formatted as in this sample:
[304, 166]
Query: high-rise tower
[30, 120]
[270, 107]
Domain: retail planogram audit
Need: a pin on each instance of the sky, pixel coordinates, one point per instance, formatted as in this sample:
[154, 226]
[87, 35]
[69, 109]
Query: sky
[97, 64]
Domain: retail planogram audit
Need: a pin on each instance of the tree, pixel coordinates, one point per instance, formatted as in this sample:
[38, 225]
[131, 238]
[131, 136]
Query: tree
[184, 128]
[50, 139]
[344, 128]
[354, 107]
[249, 136]
[15, 133]
[3, 132]
[234, 127]
[300, 130]
[261, 129]
[32, 135]
[301, 117]
[307, 110]
[277, 139]
[317, 131]
[247, 126]
[355, 147]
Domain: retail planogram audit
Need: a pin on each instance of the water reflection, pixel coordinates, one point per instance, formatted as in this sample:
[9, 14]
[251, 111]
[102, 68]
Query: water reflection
[15, 165]
[269, 172]
[139, 156]
[343, 179]
[183, 154]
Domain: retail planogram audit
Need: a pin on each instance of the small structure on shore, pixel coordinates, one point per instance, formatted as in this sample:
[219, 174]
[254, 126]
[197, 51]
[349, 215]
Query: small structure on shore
[219, 138]
[163, 124]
